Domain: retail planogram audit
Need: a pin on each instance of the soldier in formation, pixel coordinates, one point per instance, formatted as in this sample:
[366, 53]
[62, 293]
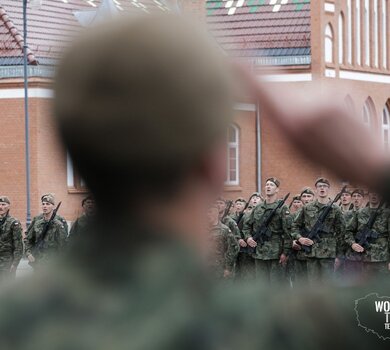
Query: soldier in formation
[295, 206]
[11, 248]
[223, 245]
[367, 238]
[270, 253]
[81, 223]
[319, 253]
[46, 234]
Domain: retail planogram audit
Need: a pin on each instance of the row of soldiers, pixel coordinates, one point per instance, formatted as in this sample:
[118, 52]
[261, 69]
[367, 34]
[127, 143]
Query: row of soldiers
[313, 240]
[47, 234]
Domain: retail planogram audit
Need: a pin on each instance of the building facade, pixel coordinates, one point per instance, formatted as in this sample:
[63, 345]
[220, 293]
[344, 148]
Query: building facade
[342, 45]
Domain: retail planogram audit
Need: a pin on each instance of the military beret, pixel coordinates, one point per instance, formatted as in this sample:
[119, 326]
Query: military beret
[4, 199]
[348, 191]
[240, 199]
[358, 191]
[49, 198]
[322, 180]
[255, 194]
[297, 197]
[88, 198]
[220, 199]
[274, 180]
[307, 190]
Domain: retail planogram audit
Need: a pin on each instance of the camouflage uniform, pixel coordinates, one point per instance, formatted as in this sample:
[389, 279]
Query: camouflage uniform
[245, 267]
[376, 256]
[64, 223]
[292, 254]
[268, 254]
[320, 259]
[11, 247]
[225, 249]
[79, 226]
[232, 225]
[53, 242]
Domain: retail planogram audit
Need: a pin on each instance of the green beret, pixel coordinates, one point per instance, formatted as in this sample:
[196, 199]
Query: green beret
[49, 198]
[358, 191]
[274, 180]
[322, 180]
[307, 190]
[4, 199]
[88, 198]
[297, 197]
[255, 194]
[240, 199]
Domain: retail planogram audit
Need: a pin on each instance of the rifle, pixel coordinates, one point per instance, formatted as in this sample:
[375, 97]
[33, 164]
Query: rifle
[318, 229]
[227, 209]
[366, 234]
[39, 244]
[238, 220]
[264, 233]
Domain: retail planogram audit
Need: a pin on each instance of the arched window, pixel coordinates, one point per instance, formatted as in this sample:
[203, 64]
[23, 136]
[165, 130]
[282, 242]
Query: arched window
[341, 38]
[386, 127]
[232, 175]
[358, 34]
[384, 33]
[367, 31]
[349, 104]
[328, 44]
[349, 31]
[368, 112]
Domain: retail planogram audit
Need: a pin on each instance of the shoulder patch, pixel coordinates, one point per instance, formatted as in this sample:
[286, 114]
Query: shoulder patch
[287, 212]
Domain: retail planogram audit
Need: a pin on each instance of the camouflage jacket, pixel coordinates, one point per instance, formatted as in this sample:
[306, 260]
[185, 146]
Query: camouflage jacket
[377, 250]
[11, 247]
[79, 226]
[229, 222]
[53, 241]
[278, 243]
[331, 243]
[289, 222]
[224, 249]
[348, 215]
[64, 223]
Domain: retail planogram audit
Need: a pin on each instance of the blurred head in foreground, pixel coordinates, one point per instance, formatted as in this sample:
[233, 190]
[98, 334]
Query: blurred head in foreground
[143, 105]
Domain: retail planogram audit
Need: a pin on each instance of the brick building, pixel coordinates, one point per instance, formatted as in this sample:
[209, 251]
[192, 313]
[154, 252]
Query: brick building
[301, 44]
[341, 45]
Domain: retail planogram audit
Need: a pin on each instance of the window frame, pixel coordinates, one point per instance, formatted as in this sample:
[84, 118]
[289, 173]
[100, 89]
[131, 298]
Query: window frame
[236, 147]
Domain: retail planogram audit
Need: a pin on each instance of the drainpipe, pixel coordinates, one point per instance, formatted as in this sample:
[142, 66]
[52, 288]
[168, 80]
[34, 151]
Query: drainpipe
[258, 147]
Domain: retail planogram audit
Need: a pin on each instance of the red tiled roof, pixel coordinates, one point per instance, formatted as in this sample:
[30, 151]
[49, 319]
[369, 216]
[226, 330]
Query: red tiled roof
[49, 27]
[261, 27]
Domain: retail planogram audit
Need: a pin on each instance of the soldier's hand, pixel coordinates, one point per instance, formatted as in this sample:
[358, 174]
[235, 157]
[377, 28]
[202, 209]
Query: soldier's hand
[13, 268]
[357, 248]
[226, 273]
[252, 243]
[337, 264]
[296, 246]
[283, 259]
[388, 267]
[242, 243]
[305, 241]
[30, 258]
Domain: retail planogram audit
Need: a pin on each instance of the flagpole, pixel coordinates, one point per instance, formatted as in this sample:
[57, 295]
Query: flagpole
[26, 115]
